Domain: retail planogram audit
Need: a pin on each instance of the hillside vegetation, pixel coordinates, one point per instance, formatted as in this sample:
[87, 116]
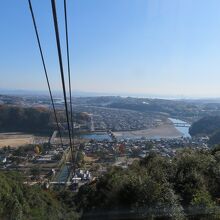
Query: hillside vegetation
[210, 126]
[21, 202]
[17, 119]
[32, 120]
[205, 126]
[186, 187]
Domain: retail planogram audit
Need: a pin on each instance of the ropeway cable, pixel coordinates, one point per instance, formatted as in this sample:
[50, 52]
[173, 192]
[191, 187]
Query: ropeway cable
[53, 4]
[69, 77]
[45, 69]
[68, 67]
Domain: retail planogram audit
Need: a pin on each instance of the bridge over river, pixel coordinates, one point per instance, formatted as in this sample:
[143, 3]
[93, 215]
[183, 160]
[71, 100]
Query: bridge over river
[178, 123]
[183, 124]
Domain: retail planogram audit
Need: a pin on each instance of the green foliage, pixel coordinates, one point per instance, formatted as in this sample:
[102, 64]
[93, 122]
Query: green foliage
[184, 187]
[35, 171]
[203, 205]
[22, 151]
[215, 138]
[209, 125]
[22, 202]
[205, 126]
[203, 199]
[80, 158]
[25, 119]
[32, 120]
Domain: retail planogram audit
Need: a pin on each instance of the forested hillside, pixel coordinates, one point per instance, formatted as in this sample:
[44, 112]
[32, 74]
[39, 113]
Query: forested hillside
[210, 126]
[205, 126]
[32, 120]
[25, 119]
[21, 202]
[186, 187]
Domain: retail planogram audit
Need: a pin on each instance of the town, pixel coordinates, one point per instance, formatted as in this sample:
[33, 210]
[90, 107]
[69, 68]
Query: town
[49, 164]
[105, 136]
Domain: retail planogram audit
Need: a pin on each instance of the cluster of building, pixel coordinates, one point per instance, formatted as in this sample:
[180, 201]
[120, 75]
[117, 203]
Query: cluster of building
[31, 156]
[118, 119]
[82, 175]
[108, 151]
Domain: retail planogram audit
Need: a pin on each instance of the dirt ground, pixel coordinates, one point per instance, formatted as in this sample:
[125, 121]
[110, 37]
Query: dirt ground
[18, 139]
[162, 131]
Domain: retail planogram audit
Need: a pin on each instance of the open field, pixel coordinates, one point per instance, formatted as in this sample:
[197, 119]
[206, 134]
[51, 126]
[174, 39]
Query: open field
[162, 131]
[16, 139]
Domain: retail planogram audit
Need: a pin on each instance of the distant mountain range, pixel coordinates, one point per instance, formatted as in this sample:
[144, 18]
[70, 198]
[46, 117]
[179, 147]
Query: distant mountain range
[20, 92]
[76, 93]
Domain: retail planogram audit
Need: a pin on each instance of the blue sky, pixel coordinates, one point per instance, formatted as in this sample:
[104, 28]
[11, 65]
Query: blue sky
[161, 47]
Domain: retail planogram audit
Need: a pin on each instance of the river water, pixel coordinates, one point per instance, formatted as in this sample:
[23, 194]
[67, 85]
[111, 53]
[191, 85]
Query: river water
[184, 130]
[181, 126]
[97, 136]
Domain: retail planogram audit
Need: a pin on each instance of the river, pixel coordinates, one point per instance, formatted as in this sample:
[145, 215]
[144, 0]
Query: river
[178, 129]
[99, 136]
[183, 129]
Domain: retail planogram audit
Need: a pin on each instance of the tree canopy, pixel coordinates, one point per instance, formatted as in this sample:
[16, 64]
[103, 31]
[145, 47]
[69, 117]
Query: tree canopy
[19, 201]
[186, 186]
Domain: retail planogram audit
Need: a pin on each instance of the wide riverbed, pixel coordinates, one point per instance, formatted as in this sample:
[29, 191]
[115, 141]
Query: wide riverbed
[171, 129]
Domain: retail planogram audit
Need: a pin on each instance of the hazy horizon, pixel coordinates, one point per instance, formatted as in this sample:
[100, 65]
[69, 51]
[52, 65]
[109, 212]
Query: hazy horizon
[78, 93]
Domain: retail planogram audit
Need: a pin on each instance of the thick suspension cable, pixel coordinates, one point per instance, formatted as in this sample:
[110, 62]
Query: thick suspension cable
[69, 78]
[45, 69]
[68, 67]
[53, 4]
